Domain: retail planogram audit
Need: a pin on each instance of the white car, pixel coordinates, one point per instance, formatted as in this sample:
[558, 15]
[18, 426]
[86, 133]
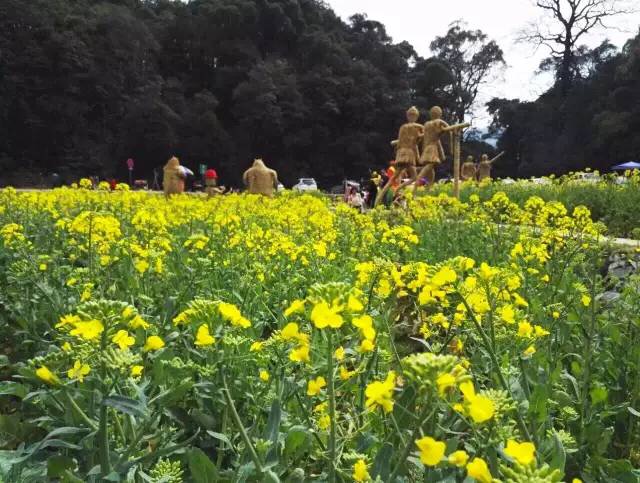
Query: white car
[305, 184]
[540, 180]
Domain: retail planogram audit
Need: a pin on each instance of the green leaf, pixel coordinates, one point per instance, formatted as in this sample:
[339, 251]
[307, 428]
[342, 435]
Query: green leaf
[273, 423]
[599, 394]
[381, 465]
[58, 464]
[404, 409]
[10, 388]
[633, 411]
[202, 468]
[296, 476]
[125, 405]
[559, 458]
[220, 437]
[296, 441]
[271, 477]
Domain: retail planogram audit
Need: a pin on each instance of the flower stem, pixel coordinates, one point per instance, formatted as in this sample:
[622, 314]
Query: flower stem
[74, 406]
[414, 435]
[243, 431]
[332, 410]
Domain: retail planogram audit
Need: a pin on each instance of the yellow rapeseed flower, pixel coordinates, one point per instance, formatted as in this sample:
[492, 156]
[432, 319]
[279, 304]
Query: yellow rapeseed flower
[479, 471]
[123, 340]
[324, 316]
[507, 314]
[380, 393]
[314, 386]
[256, 346]
[445, 381]
[136, 371]
[89, 330]
[529, 351]
[586, 300]
[480, 408]
[360, 472]
[354, 305]
[366, 345]
[431, 451]
[523, 453]
[458, 458]
[540, 331]
[232, 314]
[300, 354]
[346, 374]
[203, 337]
[138, 323]
[296, 306]
[365, 324]
[339, 353]
[68, 320]
[78, 371]
[444, 276]
[290, 331]
[47, 376]
[264, 376]
[525, 329]
[153, 343]
[324, 422]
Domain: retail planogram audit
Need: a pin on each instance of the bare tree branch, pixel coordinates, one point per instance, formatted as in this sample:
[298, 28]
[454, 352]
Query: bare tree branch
[571, 20]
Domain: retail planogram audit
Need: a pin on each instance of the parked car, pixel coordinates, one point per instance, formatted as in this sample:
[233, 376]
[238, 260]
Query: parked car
[508, 181]
[540, 180]
[305, 184]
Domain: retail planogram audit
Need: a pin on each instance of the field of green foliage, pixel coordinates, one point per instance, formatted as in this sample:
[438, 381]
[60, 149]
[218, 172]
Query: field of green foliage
[249, 339]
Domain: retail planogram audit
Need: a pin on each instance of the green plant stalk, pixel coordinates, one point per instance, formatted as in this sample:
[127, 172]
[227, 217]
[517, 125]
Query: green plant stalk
[332, 409]
[105, 463]
[587, 357]
[496, 364]
[225, 417]
[74, 406]
[238, 421]
[422, 419]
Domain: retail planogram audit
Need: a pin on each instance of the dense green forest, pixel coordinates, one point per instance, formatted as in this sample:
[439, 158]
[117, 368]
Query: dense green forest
[86, 84]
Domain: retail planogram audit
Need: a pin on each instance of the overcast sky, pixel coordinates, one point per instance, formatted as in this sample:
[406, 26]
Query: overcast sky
[419, 21]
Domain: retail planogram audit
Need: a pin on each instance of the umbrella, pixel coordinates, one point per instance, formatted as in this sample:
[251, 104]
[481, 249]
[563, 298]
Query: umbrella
[627, 165]
[186, 171]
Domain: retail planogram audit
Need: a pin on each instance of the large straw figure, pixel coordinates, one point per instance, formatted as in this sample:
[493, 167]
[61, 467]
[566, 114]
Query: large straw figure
[407, 152]
[432, 151]
[173, 180]
[260, 180]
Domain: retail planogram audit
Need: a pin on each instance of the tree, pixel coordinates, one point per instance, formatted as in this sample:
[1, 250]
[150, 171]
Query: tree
[571, 21]
[471, 59]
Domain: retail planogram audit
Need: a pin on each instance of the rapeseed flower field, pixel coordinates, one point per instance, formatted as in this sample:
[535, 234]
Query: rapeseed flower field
[242, 338]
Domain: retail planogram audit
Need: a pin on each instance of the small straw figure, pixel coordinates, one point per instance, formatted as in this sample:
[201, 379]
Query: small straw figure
[211, 183]
[173, 180]
[468, 170]
[484, 168]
